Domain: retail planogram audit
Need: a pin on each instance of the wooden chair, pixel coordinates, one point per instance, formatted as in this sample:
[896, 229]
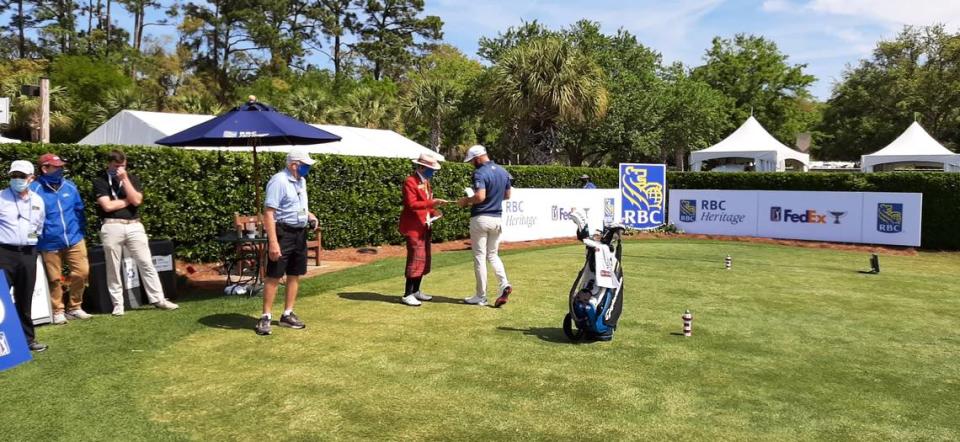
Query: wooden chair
[314, 247]
[248, 256]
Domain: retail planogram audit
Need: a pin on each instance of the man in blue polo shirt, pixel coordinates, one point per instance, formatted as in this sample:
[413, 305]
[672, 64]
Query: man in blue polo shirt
[286, 218]
[491, 186]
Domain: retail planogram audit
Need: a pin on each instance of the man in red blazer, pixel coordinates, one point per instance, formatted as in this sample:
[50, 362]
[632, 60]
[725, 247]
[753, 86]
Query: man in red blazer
[416, 218]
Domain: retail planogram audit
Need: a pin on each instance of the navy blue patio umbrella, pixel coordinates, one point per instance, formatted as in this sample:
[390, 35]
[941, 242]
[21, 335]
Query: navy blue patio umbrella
[250, 125]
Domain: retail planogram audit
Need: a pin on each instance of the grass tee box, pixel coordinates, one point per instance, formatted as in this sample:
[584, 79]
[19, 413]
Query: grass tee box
[790, 344]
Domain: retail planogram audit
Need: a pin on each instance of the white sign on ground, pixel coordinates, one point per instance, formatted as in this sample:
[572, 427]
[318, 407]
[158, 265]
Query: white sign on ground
[855, 217]
[532, 214]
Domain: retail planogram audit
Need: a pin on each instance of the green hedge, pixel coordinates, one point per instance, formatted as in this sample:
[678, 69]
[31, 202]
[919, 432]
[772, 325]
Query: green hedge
[941, 192]
[191, 196]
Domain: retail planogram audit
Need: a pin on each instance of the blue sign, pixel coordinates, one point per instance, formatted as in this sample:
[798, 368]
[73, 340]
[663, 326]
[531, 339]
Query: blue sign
[13, 344]
[889, 218]
[609, 210]
[688, 211]
[643, 191]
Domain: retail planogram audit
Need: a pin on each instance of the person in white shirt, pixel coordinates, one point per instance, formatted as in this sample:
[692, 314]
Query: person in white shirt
[21, 222]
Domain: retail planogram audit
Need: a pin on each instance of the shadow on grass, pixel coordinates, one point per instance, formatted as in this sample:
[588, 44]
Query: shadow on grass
[394, 299]
[229, 321]
[549, 334]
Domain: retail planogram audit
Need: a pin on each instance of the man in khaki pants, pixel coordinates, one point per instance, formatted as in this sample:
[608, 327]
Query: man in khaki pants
[118, 202]
[62, 238]
[491, 185]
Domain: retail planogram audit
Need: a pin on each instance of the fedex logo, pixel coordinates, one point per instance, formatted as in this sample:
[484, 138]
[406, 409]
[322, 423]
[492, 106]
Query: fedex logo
[808, 216]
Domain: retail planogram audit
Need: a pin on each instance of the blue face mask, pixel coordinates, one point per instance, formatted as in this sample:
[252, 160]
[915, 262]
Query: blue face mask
[303, 170]
[428, 173]
[54, 178]
[18, 185]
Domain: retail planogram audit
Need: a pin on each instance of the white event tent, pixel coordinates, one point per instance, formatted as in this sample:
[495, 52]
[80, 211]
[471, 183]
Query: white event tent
[7, 140]
[139, 128]
[913, 146]
[751, 141]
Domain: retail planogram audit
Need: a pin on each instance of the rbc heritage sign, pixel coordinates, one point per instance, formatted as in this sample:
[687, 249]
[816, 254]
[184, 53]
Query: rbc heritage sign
[643, 190]
[13, 345]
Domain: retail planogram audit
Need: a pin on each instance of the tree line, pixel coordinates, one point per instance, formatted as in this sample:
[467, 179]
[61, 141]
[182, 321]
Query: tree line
[531, 94]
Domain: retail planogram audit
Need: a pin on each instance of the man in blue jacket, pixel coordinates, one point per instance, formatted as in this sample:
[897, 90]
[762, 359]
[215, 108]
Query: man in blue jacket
[62, 238]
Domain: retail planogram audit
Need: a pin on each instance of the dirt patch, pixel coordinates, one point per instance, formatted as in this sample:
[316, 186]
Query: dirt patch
[208, 276]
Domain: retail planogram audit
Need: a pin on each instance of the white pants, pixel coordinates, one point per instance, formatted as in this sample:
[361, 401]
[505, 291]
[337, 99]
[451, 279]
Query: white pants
[485, 242]
[132, 236]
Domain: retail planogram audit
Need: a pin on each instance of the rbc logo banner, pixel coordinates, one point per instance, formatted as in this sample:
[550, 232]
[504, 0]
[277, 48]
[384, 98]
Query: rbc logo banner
[13, 345]
[688, 211]
[889, 218]
[642, 191]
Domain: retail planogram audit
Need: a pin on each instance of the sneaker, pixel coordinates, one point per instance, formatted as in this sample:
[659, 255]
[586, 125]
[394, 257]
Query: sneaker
[476, 300]
[263, 326]
[36, 346]
[117, 310]
[411, 300]
[78, 314]
[165, 305]
[291, 321]
[59, 319]
[422, 296]
[503, 297]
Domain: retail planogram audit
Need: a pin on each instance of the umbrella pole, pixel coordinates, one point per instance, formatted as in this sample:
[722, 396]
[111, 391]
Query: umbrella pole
[256, 181]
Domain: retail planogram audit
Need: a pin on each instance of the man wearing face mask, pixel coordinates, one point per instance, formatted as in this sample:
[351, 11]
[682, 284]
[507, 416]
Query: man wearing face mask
[491, 186]
[419, 207]
[286, 219]
[62, 238]
[21, 221]
[118, 204]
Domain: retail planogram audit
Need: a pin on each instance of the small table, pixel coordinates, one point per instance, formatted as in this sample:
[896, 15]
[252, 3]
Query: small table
[243, 259]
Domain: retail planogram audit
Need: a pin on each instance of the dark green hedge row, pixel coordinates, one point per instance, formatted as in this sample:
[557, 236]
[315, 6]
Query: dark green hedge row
[191, 196]
[941, 192]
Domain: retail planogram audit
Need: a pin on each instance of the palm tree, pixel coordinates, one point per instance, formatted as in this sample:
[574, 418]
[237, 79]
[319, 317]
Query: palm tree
[541, 85]
[432, 100]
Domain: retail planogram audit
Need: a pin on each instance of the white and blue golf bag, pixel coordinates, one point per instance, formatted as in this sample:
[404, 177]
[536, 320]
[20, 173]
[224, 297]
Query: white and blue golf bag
[596, 298]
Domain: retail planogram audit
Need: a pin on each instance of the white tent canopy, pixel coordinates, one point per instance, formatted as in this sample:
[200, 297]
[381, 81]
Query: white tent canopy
[752, 141]
[7, 140]
[914, 146]
[139, 128]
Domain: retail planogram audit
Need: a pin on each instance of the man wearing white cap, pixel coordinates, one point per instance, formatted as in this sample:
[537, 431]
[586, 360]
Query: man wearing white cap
[286, 218]
[21, 222]
[491, 186]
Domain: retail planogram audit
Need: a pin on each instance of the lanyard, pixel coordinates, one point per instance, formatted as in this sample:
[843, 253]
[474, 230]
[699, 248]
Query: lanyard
[28, 219]
[110, 185]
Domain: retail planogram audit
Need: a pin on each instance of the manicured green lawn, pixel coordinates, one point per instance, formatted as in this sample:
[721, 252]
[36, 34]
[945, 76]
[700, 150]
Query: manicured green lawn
[792, 344]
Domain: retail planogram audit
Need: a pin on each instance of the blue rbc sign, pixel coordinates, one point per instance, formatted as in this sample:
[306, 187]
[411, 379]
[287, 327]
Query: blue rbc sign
[643, 188]
[13, 345]
[688, 211]
[889, 218]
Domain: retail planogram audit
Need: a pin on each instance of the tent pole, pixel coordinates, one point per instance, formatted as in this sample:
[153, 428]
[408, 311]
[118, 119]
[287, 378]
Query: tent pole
[256, 180]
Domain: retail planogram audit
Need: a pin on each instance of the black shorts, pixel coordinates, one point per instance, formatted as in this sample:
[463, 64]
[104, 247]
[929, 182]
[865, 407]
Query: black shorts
[293, 252]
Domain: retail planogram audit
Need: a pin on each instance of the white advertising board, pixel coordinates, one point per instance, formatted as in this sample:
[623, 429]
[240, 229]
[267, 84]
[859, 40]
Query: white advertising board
[714, 212]
[821, 216]
[854, 217]
[532, 214]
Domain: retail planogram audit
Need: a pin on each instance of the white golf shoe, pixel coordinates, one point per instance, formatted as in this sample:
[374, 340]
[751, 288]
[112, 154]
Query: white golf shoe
[410, 300]
[422, 296]
[476, 300]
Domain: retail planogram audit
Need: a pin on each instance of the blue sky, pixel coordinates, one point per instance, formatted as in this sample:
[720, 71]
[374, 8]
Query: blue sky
[826, 35]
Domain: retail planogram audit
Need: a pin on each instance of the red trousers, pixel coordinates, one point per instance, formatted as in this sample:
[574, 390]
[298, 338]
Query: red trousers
[418, 255]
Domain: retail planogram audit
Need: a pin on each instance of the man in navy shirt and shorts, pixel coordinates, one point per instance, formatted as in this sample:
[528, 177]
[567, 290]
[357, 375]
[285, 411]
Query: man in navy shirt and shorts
[491, 186]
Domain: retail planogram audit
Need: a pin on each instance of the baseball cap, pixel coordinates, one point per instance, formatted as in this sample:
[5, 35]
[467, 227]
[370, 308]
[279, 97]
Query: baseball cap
[474, 151]
[584, 177]
[22, 166]
[49, 159]
[300, 155]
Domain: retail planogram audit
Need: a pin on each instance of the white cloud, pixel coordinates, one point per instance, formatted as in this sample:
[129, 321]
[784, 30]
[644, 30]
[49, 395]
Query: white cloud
[777, 6]
[894, 13]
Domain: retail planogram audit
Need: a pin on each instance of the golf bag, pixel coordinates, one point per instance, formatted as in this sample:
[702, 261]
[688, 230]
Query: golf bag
[596, 298]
